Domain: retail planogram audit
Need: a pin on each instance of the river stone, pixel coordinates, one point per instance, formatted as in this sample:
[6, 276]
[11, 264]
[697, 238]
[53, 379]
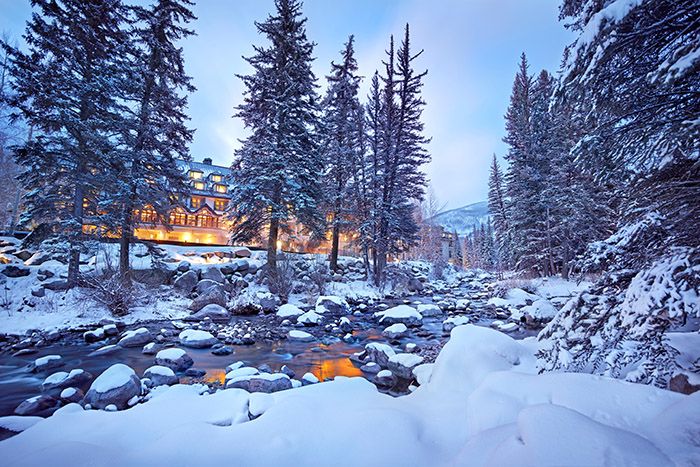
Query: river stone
[395, 331]
[240, 265]
[40, 405]
[186, 282]
[161, 376]
[300, 336]
[37, 258]
[151, 348]
[48, 362]
[213, 296]
[15, 271]
[57, 381]
[429, 310]
[207, 285]
[213, 273]
[415, 285]
[115, 386]
[174, 358]
[400, 314]
[24, 255]
[402, 364]
[385, 378]
[310, 318]
[183, 266]
[136, 338]
[242, 252]
[213, 311]
[331, 304]
[56, 285]
[70, 395]
[267, 383]
[197, 339]
[379, 353]
[287, 371]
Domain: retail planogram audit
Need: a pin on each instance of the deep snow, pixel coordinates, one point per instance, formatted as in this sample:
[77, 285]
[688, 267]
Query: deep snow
[482, 404]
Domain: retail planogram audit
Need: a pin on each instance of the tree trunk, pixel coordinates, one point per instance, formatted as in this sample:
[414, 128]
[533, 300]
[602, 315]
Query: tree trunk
[74, 256]
[272, 247]
[125, 242]
[334, 247]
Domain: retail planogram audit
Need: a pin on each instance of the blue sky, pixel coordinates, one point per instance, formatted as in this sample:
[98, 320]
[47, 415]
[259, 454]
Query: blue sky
[471, 47]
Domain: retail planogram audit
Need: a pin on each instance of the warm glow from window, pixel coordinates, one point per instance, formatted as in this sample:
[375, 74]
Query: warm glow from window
[216, 178]
[196, 174]
[220, 204]
[196, 202]
[199, 185]
[220, 188]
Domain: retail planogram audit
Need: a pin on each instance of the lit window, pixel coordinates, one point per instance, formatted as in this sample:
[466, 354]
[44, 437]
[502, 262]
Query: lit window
[199, 185]
[220, 188]
[216, 178]
[196, 174]
[220, 204]
[196, 202]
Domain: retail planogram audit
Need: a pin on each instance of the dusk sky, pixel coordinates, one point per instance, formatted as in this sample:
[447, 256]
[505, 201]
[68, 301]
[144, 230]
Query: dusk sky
[471, 47]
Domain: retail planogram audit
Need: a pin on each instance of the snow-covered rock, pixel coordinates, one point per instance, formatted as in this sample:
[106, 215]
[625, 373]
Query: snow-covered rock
[385, 378]
[175, 359]
[197, 339]
[310, 318]
[331, 304]
[402, 364]
[47, 362]
[309, 378]
[288, 310]
[213, 311]
[429, 310]
[136, 338]
[450, 323]
[214, 274]
[62, 379]
[379, 353]
[400, 314]
[264, 382]
[39, 405]
[161, 376]
[300, 336]
[395, 331]
[186, 282]
[115, 386]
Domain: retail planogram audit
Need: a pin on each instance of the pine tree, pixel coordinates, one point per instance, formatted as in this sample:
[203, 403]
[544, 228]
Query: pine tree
[276, 169]
[341, 122]
[632, 80]
[156, 133]
[520, 177]
[498, 208]
[65, 90]
[402, 149]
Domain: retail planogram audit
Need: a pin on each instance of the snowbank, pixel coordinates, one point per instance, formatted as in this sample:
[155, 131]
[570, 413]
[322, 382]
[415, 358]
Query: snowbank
[481, 404]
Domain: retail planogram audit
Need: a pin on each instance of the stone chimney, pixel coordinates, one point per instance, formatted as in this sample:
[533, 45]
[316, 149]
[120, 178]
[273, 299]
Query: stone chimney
[206, 160]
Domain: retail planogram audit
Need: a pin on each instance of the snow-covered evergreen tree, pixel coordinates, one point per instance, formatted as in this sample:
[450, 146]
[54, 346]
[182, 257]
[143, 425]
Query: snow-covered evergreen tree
[633, 75]
[499, 213]
[65, 89]
[402, 153]
[276, 171]
[341, 118]
[146, 172]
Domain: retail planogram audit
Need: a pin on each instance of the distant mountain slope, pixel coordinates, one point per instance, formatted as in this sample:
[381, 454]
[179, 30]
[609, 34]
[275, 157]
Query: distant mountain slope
[463, 219]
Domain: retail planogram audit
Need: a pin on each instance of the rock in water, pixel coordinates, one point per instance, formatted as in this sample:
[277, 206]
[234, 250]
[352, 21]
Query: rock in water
[197, 339]
[39, 405]
[136, 338]
[115, 386]
[161, 376]
[175, 359]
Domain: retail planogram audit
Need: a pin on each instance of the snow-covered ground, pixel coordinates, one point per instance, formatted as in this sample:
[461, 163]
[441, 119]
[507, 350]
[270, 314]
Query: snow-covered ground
[484, 404]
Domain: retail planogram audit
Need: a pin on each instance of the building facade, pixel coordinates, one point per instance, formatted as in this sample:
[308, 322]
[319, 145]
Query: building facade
[199, 218]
